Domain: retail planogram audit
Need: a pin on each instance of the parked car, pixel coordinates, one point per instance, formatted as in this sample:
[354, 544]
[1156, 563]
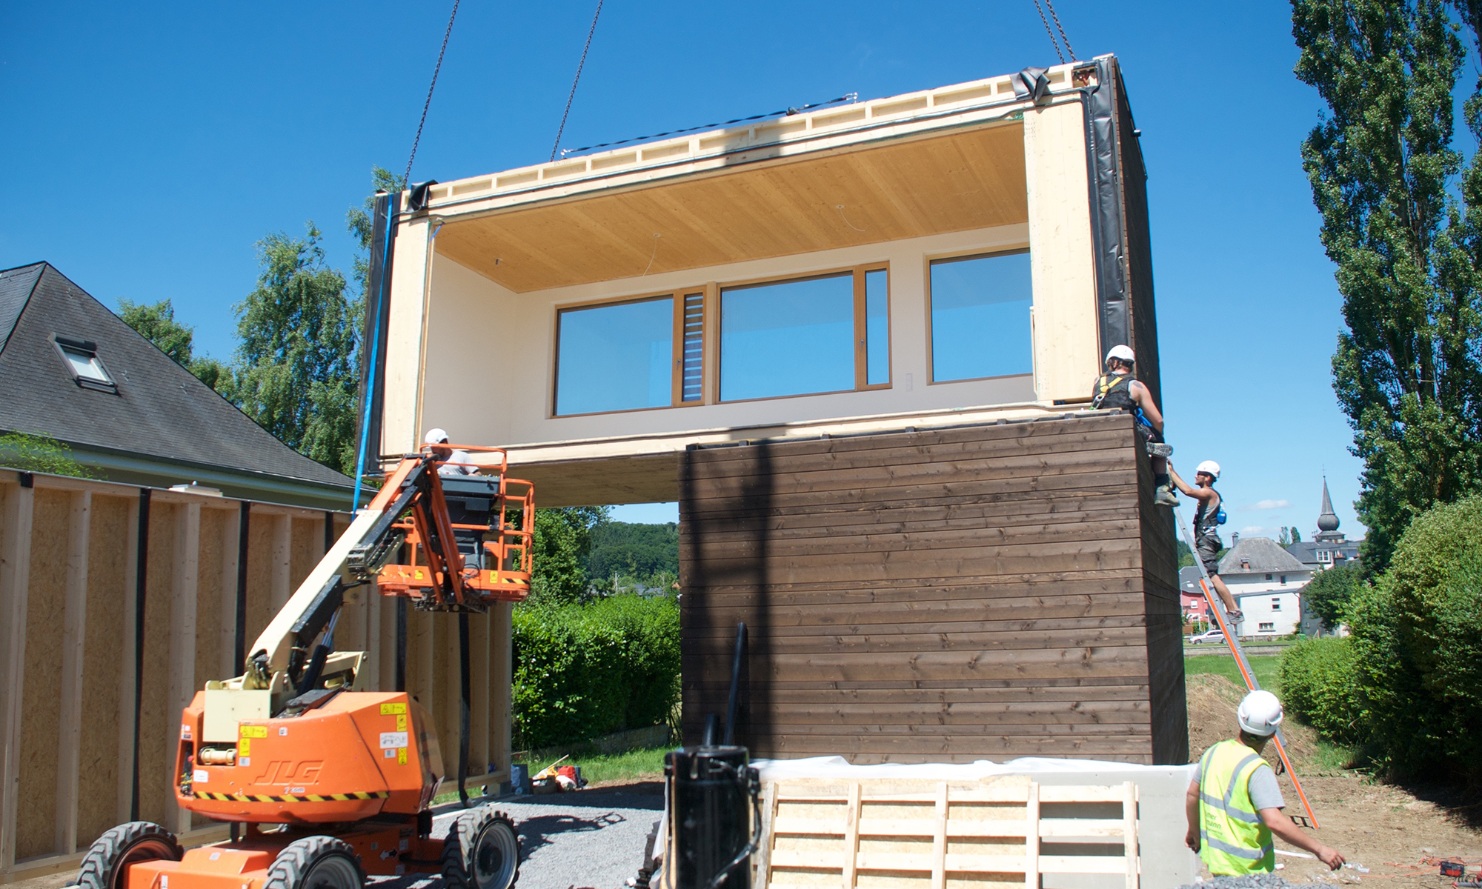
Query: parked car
[1214, 635]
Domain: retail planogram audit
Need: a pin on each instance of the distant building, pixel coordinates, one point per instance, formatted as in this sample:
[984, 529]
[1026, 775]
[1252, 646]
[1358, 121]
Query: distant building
[73, 371]
[1266, 582]
[1329, 546]
[1190, 595]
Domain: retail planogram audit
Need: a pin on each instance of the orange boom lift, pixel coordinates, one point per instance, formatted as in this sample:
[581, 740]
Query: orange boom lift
[330, 783]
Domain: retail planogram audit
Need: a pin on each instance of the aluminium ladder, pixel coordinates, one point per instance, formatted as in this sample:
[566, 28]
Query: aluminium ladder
[1217, 608]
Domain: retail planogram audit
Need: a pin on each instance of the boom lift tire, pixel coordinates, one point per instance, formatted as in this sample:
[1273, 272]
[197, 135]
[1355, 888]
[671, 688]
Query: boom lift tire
[107, 860]
[319, 862]
[482, 851]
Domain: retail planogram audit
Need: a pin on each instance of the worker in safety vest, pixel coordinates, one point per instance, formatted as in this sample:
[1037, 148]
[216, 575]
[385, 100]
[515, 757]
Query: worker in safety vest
[1234, 805]
[1118, 388]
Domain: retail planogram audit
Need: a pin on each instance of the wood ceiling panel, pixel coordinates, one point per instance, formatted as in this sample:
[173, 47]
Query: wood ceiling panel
[963, 180]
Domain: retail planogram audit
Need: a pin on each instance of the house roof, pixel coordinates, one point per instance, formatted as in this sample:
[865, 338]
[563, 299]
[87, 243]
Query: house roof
[1305, 551]
[1258, 555]
[160, 410]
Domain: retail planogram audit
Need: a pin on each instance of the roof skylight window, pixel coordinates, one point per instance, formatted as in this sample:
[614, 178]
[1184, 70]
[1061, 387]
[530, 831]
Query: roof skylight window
[83, 361]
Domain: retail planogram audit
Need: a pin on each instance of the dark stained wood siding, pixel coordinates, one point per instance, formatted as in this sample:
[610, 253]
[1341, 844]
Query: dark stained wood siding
[979, 592]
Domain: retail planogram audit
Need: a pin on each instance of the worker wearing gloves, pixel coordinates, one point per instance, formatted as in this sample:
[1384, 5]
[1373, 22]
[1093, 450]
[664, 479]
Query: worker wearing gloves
[1234, 805]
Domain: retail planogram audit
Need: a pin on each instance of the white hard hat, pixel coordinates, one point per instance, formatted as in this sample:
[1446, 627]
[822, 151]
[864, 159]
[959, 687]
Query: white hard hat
[1210, 467]
[435, 435]
[1121, 352]
[1260, 714]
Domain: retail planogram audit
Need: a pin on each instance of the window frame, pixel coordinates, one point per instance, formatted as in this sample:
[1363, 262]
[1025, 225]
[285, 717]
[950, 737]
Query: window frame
[859, 308]
[976, 253]
[88, 349]
[676, 323]
[704, 362]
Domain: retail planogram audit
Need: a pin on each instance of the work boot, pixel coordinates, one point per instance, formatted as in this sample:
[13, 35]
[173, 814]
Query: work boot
[1165, 497]
[1159, 449]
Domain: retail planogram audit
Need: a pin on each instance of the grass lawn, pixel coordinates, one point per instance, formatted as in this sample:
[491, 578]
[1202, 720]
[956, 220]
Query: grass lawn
[1265, 666]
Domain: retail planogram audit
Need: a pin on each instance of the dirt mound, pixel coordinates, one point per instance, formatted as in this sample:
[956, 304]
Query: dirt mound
[1212, 704]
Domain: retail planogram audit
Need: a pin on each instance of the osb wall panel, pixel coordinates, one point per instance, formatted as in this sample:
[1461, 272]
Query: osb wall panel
[109, 583]
[949, 595]
[159, 715]
[41, 687]
[69, 588]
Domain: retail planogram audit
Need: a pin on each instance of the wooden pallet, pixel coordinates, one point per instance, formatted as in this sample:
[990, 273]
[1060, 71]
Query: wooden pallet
[902, 834]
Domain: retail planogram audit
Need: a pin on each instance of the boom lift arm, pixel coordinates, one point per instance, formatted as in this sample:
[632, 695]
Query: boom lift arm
[325, 783]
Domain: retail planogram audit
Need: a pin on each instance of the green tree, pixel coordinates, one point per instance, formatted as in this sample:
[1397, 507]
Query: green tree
[1327, 595]
[361, 222]
[40, 453]
[156, 323]
[563, 540]
[1417, 636]
[1185, 555]
[1406, 237]
[647, 553]
[296, 373]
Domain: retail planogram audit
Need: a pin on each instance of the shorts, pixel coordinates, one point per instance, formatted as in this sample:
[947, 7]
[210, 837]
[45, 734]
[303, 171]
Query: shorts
[1147, 433]
[1209, 547]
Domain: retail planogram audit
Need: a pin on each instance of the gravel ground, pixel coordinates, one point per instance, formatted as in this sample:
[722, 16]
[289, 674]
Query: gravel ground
[588, 838]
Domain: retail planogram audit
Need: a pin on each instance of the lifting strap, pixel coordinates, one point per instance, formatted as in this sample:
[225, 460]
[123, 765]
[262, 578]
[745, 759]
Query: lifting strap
[1217, 608]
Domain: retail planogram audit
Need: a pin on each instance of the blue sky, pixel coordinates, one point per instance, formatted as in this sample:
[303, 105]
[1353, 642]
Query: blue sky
[150, 145]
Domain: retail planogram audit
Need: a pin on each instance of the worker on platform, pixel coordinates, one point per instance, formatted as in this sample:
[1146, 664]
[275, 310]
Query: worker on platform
[450, 460]
[1234, 804]
[1118, 388]
[1207, 520]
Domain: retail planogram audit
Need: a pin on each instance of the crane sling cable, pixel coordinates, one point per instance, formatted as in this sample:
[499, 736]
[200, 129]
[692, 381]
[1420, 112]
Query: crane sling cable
[575, 80]
[1217, 608]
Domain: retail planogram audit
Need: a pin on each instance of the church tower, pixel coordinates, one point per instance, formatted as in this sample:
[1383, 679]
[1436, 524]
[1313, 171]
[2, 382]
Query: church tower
[1327, 523]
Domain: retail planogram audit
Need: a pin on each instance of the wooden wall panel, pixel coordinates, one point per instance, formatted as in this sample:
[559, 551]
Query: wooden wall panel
[69, 550]
[40, 689]
[948, 595]
[110, 584]
[159, 715]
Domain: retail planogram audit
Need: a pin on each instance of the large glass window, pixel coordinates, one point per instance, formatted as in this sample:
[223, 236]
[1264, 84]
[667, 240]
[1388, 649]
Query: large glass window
[615, 357]
[805, 336]
[980, 317]
[827, 333]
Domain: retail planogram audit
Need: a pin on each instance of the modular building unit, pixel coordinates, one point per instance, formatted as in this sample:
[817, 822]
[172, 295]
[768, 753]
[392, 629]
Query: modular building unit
[888, 291]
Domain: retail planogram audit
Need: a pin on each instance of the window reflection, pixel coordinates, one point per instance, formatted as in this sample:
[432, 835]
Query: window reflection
[787, 338]
[615, 357]
[980, 317]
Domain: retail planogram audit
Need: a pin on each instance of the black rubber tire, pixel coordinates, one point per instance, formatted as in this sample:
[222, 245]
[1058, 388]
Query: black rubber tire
[482, 851]
[104, 865]
[316, 863]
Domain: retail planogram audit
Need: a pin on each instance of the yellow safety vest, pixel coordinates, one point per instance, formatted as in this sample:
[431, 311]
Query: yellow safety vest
[1233, 841]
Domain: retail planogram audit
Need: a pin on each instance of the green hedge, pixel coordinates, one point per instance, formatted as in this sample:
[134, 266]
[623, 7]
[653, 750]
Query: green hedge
[1417, 637]
[1319, 685]
[583, 671]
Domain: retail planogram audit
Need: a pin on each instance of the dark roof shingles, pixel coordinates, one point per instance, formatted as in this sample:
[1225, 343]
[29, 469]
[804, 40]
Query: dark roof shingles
[161, 409]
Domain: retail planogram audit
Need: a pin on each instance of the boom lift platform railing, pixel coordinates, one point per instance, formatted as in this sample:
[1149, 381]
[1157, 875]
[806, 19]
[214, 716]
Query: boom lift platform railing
[1227, 626]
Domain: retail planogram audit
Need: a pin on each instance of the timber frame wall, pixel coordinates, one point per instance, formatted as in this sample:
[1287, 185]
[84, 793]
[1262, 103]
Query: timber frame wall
[979, 592]
[103, 625]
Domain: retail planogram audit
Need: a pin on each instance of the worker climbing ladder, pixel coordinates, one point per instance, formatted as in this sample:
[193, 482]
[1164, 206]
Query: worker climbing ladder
[1217, 608]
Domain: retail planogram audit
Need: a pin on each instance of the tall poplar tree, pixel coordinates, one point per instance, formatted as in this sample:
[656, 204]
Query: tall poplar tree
[1402, 220]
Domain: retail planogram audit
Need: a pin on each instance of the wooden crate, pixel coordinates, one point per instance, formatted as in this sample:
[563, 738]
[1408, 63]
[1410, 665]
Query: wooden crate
[902, 834]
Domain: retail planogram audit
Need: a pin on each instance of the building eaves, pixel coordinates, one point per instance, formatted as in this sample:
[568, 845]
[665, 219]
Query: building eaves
[160, 410]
